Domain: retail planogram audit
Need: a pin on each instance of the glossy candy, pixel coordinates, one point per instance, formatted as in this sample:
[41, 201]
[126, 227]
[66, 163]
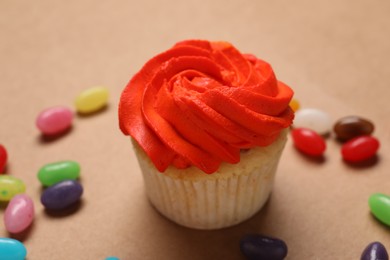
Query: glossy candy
[19, 213]
[53, 173]
[308, 141]
[349, 127]
[10, 186]
[61, 195]
[255, 246]
[91, 100]
[359, 148]
[314, 119]
[54, 120]
[380, 207]
[12, 249]
[375, 251]
[3, 158]
[112, 258]
[294, 104]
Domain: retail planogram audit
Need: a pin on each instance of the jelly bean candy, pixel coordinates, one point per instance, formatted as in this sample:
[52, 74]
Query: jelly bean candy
[314, 119]
[9, 187]
[308, 141]
[349, 127]
[112, 258]
[360, 148]
[53, 173]
[19, 213]
[294, 104]
[91, 100]
[54, 120]
[380, 207]
[255, 246]
[3, 158]
[12, 249]
[375, 251]
[61, 195]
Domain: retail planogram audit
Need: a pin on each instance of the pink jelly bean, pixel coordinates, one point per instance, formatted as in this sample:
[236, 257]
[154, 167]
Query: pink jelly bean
[19, 213]
[3, 158]
[54, 120]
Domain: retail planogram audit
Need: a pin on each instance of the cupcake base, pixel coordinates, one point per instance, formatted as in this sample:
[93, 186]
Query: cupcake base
[225, 198]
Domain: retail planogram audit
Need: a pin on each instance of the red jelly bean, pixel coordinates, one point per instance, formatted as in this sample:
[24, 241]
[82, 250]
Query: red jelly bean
[308, 141]
[360, 148]
[3, 158]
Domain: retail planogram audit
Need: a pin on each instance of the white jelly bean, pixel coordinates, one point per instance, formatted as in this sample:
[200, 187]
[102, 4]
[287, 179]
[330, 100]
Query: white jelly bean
[54, 120]
[314, 119]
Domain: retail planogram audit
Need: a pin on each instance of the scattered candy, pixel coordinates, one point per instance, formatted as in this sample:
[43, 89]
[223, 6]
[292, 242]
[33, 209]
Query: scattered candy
[64, 191]
[9, 187]
[314, 119]
[375, 251]
[294, 104]
[3, 158]
[53, 173]
[91, 100]
[12, 249]
[61, 195]
[380, 207]
[255, 246]
[19, 213]
[349, 127]
[308, 141]
[360, 148]
[54, 120]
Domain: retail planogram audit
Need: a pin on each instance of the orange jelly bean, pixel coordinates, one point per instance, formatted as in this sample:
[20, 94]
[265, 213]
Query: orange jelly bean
[294, 104]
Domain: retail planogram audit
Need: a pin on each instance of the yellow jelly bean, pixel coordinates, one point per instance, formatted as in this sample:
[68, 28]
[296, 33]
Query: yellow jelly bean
[294, 104]
[9, 187]
[91, 100]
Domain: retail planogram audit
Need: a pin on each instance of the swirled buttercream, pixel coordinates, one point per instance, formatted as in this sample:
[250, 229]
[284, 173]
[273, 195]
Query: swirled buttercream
[199, 103]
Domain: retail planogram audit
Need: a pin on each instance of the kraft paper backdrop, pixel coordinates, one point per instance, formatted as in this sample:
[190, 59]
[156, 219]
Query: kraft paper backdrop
[334, 54]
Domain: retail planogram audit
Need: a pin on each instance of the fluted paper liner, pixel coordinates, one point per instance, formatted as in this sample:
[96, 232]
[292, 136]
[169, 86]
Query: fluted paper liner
[233, 194]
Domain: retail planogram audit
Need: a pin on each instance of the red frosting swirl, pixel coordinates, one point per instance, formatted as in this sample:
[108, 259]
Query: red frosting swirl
[200, 102]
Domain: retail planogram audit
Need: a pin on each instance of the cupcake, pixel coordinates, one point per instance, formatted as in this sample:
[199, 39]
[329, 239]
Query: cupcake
[208, 125]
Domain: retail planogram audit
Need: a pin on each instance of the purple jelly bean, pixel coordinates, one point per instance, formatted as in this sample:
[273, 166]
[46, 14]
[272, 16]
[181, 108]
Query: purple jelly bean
[255, 246]
[62, 195]
[375, 251]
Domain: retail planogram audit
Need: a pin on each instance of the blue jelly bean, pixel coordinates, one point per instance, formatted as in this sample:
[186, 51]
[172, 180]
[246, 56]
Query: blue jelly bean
[255, 246]
[112, 258]
[11, 249]
[375, 251]
[62, 195]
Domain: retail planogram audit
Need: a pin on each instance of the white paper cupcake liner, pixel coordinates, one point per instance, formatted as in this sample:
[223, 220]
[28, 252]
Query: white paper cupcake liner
[194, 199]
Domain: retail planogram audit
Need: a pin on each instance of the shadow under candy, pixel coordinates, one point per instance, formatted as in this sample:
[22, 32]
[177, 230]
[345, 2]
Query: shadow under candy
[45, 139]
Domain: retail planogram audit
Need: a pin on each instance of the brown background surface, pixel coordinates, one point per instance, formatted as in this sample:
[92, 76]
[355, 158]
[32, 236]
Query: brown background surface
[335, 54]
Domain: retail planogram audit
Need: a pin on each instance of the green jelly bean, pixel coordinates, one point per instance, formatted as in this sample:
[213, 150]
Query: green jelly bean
[380, 207]
[56, 172]
[10, 186]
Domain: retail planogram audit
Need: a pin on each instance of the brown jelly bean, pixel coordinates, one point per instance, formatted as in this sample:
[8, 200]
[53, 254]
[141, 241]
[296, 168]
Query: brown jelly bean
[349, 127]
